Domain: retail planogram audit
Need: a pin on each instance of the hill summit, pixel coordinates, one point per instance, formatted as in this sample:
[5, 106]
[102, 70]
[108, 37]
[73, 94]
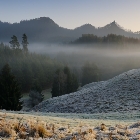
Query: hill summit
[119, 94]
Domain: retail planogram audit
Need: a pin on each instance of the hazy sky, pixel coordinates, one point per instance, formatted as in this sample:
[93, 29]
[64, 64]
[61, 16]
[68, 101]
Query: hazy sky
[74, 13]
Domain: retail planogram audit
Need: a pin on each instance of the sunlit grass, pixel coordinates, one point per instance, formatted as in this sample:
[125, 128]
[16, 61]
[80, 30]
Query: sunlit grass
[26, 126]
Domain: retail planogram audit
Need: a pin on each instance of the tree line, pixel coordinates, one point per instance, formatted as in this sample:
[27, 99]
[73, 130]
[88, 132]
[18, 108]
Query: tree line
[110, 38]
[14, 43]
[64, 82]
[29, 68]
[22, 71]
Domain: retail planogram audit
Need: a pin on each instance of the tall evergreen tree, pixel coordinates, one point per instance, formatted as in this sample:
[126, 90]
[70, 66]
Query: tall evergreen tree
[14, 42]
[90, 73]
[71, 81]
[9, 90]
[25, 43]
[59, 84]
[36, 87]
[68, 79]
[64, 82]
[74, 84]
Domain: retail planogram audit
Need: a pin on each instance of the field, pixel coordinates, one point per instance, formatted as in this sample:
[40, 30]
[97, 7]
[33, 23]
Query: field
[62, 126]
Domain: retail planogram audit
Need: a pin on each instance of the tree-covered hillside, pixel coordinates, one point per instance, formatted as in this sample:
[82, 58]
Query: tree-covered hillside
[110, 38]
[29, 68]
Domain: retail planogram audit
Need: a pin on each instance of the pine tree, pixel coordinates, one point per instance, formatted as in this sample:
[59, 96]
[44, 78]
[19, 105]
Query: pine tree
[36, 87]
[90, 73]
[25, 43]
[55, 86]
[71, 81]
[14, 42]
[68, 80]
[59, 84]
[64, 82]
[35, 98]
[75, 84]
[9, 90]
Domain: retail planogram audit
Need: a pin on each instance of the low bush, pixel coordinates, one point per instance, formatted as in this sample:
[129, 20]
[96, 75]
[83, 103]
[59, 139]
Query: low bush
[34, 99]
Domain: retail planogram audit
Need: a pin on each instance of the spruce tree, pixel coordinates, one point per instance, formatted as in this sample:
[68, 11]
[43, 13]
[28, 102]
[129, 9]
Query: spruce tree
[25, 43]
[68, 80]
[71, 81]
[34, 99]
[75, 84]
[64, 82]
[59, 84]
[90, 73]
[14, 42]
[9, 90]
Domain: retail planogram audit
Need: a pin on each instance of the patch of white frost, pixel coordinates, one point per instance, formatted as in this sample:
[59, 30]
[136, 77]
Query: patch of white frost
[119, 94]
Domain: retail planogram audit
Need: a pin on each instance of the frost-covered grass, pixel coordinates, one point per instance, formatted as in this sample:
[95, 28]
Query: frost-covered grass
[57, 126]
[119, 94]
[118, 98]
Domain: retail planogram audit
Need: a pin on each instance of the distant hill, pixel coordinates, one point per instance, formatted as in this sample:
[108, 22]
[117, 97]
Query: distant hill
[44, 29]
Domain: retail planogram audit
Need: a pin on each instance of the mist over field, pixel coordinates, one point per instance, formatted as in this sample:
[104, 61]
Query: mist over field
[111, 60]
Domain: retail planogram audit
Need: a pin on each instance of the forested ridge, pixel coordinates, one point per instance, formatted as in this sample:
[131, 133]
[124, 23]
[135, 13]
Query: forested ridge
[110, 38]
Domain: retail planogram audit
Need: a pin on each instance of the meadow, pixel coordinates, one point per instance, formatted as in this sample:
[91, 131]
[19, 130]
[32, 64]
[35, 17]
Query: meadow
[59, 126]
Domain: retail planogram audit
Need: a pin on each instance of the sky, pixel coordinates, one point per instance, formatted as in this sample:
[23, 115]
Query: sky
[74, 13]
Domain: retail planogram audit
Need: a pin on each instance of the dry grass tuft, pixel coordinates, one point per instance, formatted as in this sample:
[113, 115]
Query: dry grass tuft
[5, 132]
[41, 131]
[103, 127]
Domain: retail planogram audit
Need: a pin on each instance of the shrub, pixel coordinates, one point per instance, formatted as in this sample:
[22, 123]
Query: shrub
[34, 99]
